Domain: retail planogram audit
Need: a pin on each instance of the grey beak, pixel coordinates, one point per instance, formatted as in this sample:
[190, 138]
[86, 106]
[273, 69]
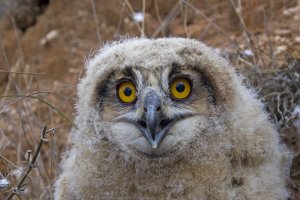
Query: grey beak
[152, 116]
[153, 124]
[152, 108]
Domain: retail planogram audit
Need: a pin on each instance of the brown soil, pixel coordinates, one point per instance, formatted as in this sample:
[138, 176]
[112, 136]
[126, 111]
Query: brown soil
[49, 43]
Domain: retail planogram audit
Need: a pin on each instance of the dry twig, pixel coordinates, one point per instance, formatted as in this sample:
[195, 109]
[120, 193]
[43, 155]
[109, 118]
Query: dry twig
[96, 21]
[31, 164]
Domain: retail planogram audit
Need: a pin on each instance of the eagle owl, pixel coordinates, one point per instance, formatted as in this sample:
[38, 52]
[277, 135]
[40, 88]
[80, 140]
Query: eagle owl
[169, 119]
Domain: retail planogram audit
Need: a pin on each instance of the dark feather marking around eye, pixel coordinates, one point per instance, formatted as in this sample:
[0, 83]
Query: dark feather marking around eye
[174, 70]
[128, 71]
[102, 89]
[130, 74]
[206, 83]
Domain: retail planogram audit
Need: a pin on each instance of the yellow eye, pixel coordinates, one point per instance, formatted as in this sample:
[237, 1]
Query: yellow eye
[126, 92]
[180, 88]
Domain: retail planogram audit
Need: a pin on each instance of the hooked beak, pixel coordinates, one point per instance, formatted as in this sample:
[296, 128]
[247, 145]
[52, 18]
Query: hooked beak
[153, 125]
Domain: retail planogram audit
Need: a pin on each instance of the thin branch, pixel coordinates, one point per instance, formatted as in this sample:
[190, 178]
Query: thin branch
[9, 162]
[143, 22]
[31, 164]
[21, 56]
[23, 73]
[51, 163]
[121, 18]
[38, 98]
[246, 62]
[238, 10]
[212, 22]
[4, 52]
[3, 138]
[132, 12]
[267, 31]
[185, 20]
[172, 14]
[158, 17]
[96, 21]
[18, 40]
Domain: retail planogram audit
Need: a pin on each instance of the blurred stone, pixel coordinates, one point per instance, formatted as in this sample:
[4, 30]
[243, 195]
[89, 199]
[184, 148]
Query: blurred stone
[49, 37]
[280, 49]
[24, 13]
[283, 32]
[4, 183]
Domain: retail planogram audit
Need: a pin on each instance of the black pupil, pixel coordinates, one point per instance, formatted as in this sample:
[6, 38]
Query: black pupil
[127, 92]
[180, 87]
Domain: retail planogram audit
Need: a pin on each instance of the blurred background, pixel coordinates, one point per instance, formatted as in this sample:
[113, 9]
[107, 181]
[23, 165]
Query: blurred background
[45, 43]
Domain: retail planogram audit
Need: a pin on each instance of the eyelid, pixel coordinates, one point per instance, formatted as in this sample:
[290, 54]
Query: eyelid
[180, 76]
[125, 79]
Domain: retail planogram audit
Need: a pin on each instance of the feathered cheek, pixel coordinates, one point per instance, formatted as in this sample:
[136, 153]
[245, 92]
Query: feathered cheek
[186, 129]
[123, 133]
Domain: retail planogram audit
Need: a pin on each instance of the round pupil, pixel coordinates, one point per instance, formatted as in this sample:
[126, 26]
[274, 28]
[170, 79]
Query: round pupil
[180, 87]
[127, 91]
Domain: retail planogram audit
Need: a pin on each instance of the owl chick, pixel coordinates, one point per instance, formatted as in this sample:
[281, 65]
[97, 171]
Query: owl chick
[169, 119]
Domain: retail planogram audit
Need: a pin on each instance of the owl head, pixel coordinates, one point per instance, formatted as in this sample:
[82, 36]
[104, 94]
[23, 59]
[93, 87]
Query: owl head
[159, 99]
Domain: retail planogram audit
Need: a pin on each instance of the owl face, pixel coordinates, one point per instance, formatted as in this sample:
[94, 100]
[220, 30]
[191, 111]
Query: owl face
[155, 112]
[157, 98]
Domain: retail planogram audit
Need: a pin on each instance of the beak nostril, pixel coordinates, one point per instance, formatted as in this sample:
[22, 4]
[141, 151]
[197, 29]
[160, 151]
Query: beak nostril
[142, 123]
[164, 123]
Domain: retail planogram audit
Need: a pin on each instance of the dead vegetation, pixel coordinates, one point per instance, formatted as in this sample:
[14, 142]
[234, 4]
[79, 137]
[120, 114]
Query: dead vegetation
[40, 66]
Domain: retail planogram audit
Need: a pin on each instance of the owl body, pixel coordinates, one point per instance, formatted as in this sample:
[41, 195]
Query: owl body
[169, 119]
